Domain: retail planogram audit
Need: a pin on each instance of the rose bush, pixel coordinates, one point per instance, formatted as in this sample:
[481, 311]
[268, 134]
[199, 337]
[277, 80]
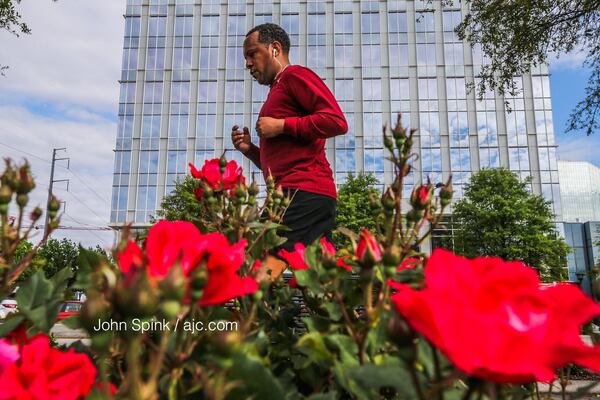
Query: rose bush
[376, 319]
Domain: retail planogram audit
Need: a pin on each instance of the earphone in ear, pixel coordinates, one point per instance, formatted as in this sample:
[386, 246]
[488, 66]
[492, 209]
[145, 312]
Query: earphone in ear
[274, 53]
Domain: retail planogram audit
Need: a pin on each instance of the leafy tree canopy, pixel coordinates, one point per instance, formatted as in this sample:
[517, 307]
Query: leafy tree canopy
[181, 203]
[52, 256]
[353, 205]
[499, 217]
[519, 33]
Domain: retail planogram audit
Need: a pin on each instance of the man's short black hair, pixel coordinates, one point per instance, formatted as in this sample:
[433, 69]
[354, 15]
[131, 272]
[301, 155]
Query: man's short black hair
[269, 33]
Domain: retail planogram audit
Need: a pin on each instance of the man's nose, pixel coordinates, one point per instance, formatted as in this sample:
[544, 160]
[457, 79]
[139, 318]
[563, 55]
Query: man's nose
[248, 64]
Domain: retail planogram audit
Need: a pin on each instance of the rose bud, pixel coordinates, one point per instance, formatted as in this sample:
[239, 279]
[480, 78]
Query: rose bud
[367, 251]
[388, 201]
[22, 200]
[253, 189]
[421, 197]
[36, 214]
[25, 181]
[5, 194]
[173, 285]
[388, 143]
[222, 163]
[392, 255]
[399, 331]
[446, 193]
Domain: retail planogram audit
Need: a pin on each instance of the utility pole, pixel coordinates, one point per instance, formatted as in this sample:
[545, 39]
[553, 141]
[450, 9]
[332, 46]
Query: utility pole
[52, 181]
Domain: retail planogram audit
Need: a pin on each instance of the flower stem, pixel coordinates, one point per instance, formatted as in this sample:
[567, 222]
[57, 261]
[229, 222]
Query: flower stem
[437, 370]
[415, 381]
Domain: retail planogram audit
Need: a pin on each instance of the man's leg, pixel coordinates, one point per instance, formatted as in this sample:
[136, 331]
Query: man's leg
[309, 216]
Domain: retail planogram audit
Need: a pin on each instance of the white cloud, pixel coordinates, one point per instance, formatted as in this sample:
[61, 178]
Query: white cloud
[573, 147]
[73, 55]
[89, 147]
[572, 60]
[61, 91]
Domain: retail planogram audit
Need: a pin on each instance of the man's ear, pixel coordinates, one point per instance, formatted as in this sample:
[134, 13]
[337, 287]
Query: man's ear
[277, 47]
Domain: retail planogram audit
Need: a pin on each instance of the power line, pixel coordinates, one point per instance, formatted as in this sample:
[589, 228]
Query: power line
[62, 166]
[90, 230]
[88, 207]
[25, 152]
[86, 185]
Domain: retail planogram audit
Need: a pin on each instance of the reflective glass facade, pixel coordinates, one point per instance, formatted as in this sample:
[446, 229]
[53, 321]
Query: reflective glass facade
[580, 191]
[184, 85]
[584, 239]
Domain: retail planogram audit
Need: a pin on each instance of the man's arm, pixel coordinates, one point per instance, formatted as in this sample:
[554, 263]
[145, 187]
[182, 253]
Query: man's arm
[241, 141]
[325, 118]
[254, 155]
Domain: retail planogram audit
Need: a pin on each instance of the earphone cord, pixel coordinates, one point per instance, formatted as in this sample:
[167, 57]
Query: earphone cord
[281, 69]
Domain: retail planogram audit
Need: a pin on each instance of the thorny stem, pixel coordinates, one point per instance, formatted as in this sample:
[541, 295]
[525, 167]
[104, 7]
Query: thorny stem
[437, 370]
[248, 322]
[415, 381]
[158, 362]
[349, 324]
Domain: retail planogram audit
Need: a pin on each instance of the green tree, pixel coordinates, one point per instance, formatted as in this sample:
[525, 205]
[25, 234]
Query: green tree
[499, 217]
[354, 206]
[181, 203]
[517, 34]
[58, 254]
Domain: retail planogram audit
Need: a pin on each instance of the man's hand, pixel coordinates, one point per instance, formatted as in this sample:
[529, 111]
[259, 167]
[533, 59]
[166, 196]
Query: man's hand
[241, 139]
[268, 127]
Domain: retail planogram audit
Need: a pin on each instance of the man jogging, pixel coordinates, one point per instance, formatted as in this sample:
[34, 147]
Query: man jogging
[299, 114]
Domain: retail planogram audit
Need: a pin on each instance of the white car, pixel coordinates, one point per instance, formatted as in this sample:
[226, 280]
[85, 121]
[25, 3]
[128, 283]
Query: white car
[7, 306]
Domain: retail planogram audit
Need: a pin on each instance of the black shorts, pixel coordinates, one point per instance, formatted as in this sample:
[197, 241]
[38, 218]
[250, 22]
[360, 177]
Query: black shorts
[310, 216]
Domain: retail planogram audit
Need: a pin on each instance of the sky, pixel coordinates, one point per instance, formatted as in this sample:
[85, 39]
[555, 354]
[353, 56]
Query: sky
[61, 90]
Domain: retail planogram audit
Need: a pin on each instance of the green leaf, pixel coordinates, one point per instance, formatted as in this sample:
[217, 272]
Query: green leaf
[86, 262]
[313, 346]
[257, 380]
[39, 298]
[345, 347]
[324, 396]
[372, 378]
[308, 278]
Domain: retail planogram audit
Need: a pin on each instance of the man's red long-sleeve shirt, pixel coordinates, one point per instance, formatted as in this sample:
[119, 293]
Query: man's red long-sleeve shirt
[297, 157]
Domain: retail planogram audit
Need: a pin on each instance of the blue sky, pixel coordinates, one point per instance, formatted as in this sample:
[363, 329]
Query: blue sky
[62, 91]
[567, 86]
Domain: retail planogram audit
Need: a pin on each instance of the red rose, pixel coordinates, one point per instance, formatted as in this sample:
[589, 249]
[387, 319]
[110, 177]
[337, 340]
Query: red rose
[494, 320]
[232, 175]
[341, 262]
[46, 373]
[328, 249]
[9, 354]
[295, 258]
[180, 243]
[169, 242]
[421, 196]
[368, 251]
[131, 257]
[408, 263]
[104, 388]
[211, 174]
[224, 260]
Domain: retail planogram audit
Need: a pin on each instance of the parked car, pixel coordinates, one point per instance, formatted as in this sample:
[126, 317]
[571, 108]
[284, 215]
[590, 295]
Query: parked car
[7, 306]
[69, 308]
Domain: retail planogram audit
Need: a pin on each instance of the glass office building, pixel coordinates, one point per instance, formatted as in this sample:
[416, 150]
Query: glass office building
[184, 85]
